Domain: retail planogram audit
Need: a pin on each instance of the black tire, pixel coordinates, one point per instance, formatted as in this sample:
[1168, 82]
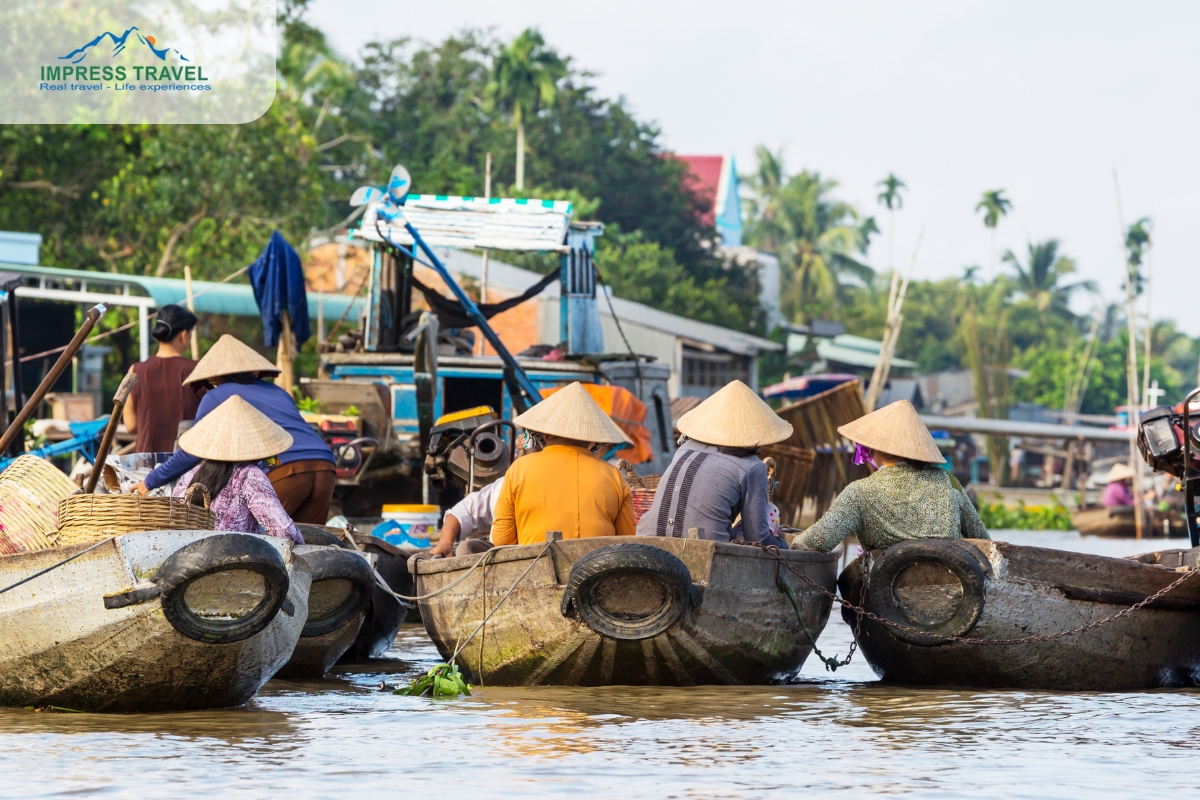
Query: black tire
[961, 558]
[225, 552]
[319, 534]
[594, 571]
[337, 564]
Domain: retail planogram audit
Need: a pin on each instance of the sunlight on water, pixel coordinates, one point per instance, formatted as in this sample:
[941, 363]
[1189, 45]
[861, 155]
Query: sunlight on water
[837, 733]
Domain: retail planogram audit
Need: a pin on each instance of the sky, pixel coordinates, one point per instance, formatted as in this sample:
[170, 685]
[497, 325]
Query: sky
[1043, 100]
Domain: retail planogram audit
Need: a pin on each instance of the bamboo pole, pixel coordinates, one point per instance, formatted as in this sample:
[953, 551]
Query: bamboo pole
[127, 383]
[483, 283]
[1148, 331]
[285, 354]
[891, 333]
[191, 304]
[1131, 366]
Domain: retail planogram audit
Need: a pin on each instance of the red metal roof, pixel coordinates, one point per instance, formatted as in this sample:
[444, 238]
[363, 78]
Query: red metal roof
[705, 179]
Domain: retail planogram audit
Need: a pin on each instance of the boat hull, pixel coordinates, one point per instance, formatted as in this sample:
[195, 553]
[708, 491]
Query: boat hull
[738, 628]
[315, 655]
[385, 614]
[60, 646]
[1033, 591]
[1119, 523]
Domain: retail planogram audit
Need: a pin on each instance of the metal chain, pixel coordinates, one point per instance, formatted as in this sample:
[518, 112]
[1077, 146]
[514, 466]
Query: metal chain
[862, 612]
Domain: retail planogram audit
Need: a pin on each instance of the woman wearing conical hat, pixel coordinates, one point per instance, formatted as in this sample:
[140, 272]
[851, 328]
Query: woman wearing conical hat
[565, 487]
[906, 497]
[303, 474]
[716, 474]
[232, 443]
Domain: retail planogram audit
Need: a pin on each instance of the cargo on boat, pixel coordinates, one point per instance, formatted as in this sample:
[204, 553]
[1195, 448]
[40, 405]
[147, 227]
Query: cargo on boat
[341, 588]
[981, 589]
[608, 610]
[154, 621]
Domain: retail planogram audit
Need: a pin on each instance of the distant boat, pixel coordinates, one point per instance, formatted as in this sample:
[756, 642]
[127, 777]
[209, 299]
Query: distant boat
[1118, 521]
[154, 621]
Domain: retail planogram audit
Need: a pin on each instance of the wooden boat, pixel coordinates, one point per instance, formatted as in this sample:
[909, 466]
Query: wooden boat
[1118, 522]
[385, 614]
[608, 610]
[341, 589]
[155, 621]
[994, 590]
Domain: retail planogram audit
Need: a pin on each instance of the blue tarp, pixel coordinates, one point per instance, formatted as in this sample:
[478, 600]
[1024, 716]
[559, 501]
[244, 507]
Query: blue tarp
[278, 282]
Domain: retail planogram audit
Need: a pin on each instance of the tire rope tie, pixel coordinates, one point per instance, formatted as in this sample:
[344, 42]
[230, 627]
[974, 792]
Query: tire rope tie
[862, 612]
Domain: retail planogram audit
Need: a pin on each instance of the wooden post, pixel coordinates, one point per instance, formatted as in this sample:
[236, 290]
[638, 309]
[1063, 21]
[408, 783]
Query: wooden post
[483, 283]
[191, 304]
[130, 380]
[285, 354]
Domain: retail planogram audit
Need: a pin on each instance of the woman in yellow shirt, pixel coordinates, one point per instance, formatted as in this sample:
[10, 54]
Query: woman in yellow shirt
[565, 487]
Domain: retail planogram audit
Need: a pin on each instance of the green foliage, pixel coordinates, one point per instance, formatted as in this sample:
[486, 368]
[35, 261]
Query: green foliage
[309, 405]
[1023, 517]
[994, 205]
[444, 680]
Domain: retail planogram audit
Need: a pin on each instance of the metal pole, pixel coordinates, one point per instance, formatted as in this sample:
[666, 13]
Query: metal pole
[191, 304]
[143, 333]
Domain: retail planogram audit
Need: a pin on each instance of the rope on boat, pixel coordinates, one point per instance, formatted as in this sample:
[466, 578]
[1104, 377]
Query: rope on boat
[405, 598]
[496, 607]
[862, 612]
[55, 566]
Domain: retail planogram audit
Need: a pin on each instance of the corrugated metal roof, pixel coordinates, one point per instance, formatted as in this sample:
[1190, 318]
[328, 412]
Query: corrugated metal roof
[857, 351]
[501, 223]
[210, 297]
[515, 279]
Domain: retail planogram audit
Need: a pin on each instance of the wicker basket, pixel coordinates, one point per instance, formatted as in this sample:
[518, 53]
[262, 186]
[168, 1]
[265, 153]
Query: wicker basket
[30, 492]
[88, 518]
[641, 487]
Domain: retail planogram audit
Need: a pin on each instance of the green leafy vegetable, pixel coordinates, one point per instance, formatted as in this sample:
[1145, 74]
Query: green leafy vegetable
[444, 680]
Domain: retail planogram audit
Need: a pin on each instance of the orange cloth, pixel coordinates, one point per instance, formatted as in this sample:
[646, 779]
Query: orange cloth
[561, 489]
[623, 407]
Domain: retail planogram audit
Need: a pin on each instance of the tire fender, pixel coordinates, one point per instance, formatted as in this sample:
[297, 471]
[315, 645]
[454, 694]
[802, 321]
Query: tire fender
[223, 552]
[601, 567]
[338, 564]
[963, 559]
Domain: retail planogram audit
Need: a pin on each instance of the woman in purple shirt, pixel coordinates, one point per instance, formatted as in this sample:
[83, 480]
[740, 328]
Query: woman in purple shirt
[232, 442]
[1118, 491]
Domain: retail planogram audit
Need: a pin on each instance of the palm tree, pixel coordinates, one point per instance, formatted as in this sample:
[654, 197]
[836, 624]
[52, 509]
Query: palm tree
[1137, 243]
[994, 205]
[819, 240]
[1040, 277]
[890, 197]
[525, 76]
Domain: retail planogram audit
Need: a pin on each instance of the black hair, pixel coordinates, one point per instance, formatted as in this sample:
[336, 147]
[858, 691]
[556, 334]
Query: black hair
[172, 320]
[213, 475]
[244, 378]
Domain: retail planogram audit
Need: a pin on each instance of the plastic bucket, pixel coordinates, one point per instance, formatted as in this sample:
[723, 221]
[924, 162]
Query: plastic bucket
[408, 524]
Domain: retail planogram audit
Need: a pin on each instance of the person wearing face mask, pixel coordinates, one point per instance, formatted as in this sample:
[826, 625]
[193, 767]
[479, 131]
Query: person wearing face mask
[906, 497]
[160, 401]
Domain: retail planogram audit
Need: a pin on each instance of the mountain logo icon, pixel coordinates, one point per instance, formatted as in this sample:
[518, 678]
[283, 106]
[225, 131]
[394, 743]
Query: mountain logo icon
[118, 46]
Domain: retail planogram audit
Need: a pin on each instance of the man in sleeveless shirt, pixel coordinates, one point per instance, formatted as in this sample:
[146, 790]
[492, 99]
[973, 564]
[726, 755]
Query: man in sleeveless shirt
[716, 474]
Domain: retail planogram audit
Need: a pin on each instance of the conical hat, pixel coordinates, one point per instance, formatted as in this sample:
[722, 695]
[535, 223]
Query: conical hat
[734, 417]
[235, 431]
[1119, 472]
[229, 357]
[572, 414]
[895, 429]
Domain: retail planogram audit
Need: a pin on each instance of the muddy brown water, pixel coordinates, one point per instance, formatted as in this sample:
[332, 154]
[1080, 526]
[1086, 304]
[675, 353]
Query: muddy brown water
[838, 734]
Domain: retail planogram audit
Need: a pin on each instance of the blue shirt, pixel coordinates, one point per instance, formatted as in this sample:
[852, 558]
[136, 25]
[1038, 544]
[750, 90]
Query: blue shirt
[271, 401]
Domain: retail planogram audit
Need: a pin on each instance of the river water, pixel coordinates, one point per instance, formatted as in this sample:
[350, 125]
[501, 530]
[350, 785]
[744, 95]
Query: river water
[839, 734]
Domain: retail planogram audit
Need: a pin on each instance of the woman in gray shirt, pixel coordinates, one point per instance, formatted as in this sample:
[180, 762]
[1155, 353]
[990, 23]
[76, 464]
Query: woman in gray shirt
[716, 474]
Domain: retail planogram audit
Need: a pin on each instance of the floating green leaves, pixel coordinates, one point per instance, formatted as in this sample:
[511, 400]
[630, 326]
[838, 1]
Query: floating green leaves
[444, 680]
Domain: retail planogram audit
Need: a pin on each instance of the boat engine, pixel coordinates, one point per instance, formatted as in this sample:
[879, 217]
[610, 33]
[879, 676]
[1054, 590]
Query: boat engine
[1169, 441]
[465, 447]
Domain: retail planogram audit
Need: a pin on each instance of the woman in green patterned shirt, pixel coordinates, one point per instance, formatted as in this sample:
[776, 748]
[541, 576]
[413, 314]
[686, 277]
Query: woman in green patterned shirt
[907, 497]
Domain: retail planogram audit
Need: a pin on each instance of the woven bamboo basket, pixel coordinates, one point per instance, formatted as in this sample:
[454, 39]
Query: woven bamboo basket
[641, 487]
[31, 490]
[86, 518]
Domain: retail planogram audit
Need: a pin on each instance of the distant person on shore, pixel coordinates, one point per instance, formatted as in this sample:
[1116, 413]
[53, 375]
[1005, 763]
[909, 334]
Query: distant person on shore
[1119, 491]
[716, 475]
[907, 496]
[160, 401]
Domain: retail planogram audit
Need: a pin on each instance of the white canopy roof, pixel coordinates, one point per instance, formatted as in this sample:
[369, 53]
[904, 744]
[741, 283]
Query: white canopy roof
[472, 223]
